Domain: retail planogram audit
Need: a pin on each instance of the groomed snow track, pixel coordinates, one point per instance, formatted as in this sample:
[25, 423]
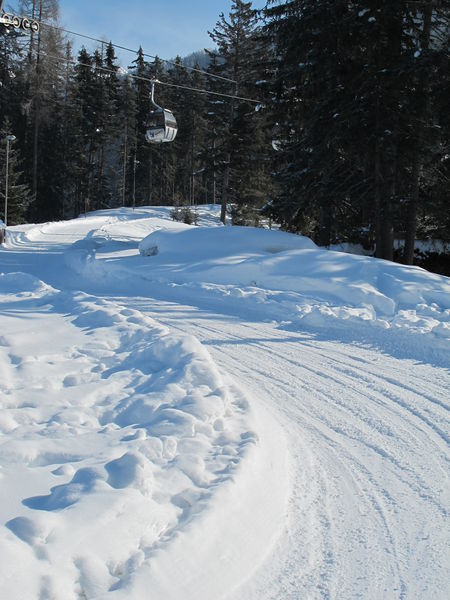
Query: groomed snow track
[369, 461]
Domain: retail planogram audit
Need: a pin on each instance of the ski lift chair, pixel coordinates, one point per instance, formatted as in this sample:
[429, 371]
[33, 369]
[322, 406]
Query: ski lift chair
[161, 124]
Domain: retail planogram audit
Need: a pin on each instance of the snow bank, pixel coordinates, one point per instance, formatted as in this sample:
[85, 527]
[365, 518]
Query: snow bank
[193, 243]
[292, 277]
[21, 283]
[269, 274]
[119, 442]
[282, 261]
[259, 273]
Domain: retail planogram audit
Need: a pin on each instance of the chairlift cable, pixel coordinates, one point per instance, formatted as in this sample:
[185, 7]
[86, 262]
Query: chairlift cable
[169, 62]
[200, 91]
[140, 77]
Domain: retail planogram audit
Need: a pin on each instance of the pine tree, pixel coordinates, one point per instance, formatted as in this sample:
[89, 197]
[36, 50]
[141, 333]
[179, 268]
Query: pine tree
[312, 105]
[146, 157]
[216, 112]
[428, 141]
[197, 122]
[68, 144]
[43, 67]
[183, 163]
[84, 125]
[234, 123]
[127, 114]
[105, 179]
[10, 69]
[18, 192]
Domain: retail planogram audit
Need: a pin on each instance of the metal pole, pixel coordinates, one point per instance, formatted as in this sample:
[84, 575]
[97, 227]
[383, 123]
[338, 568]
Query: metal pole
[9, 138]
[6, 181]
[124, 174]
[134, 180]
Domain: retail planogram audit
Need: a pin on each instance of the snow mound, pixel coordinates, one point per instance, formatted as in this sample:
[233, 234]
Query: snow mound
[260, 273]
[289, 278]
[21, 283]
[117, 438]
[276, 260]
[206, 243]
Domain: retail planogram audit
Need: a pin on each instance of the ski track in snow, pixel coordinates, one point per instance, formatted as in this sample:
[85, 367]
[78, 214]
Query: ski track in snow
[370, 468]
[367, 428]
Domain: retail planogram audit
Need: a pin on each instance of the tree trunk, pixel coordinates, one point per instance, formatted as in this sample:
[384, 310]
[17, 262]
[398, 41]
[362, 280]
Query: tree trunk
[226, 178]
[325, 226]
[378, 198]
[124, 172]
[411, 224]
[37, 113]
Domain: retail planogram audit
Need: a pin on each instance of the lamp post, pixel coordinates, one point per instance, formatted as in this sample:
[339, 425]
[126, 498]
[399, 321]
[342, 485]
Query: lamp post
[135, 163]
[9, 138]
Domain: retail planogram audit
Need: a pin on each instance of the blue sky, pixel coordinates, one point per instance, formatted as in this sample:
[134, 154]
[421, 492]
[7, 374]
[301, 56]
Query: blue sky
[163, 27]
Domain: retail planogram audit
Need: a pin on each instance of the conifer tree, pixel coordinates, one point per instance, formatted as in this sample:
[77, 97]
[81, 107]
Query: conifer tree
[127, 134]
[84, 123]
[184, 153]
[197, 122]
[42, 78]
[235, 41]
[10, 71]
[428, 140]
[105, 180]
[19, 196]
[212, 151]
[147, 157]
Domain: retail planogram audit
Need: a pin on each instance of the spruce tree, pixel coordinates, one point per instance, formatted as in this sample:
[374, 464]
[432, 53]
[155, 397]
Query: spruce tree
[146, 159]
[428, 138]
[19, 196]
[213, 152]
[127, 135]
[234, 119]
[44, 64]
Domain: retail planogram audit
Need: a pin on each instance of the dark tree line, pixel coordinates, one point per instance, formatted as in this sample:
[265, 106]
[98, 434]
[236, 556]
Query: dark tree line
[349, 139]
[361, 95]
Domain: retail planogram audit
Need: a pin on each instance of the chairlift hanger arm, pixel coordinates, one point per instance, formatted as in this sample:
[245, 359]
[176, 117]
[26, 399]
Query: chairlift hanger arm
[152, 94]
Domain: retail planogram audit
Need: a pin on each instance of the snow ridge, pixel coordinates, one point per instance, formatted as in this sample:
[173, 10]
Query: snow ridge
[131, 435]
[259, 272]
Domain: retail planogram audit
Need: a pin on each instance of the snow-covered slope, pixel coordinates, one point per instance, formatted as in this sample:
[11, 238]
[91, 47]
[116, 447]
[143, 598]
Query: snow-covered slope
[213, 412]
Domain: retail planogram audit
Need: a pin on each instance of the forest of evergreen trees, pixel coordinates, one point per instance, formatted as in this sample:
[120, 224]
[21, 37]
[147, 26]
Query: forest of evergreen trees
[349, 140]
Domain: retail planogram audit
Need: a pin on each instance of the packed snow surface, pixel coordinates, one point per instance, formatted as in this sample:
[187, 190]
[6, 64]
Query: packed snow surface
[208, 412]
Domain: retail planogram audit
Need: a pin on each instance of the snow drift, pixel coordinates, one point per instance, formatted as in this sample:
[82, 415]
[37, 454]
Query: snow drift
[121, 442]
[301, 282]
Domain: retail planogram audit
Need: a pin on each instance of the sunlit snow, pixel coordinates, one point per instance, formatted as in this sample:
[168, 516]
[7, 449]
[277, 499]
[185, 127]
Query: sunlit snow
[205, 412]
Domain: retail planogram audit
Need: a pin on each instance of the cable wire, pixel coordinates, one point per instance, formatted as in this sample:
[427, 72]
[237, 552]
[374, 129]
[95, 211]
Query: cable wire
[140, 77]
[169, 62]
